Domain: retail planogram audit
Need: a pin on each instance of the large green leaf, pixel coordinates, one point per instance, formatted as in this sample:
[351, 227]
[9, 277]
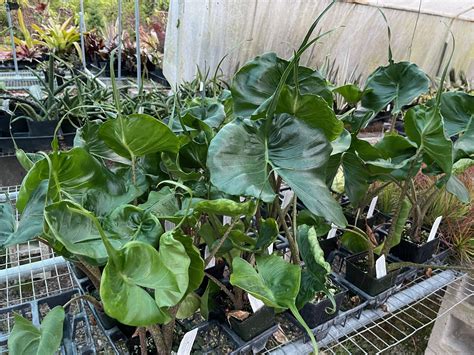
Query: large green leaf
[312, 109]
[26, 339]
[138, 268]
[425, 127]
[399, 83]
[31, 221]
[464, 145]
[350, 92]
[196, 267]
[87, 137]
[457, 109]
[456, 187]
[226, 207]
[162, 203]
[79, 175]
[138, 135]
[274, 281]
[316, 268]
[242, 155]
[133, 223]
[79, 234]
[7, 221]
[356, 177]
[255, 83]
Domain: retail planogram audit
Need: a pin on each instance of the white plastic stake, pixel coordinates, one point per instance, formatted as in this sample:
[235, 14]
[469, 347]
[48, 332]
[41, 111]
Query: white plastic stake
[227, 220]
[256, 304]
[187, 342]
[434, 228]
[371, 210]
[380, 267]
[201, 86]
[270, 249]
[287, 197]
[169, 226]
[212, 263]
[332, 231]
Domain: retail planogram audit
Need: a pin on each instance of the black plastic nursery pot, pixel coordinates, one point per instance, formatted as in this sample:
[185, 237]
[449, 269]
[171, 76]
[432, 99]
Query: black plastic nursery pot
[366, 282]
[329, 245]
[254, 325]
[315, 314]
[413, 252]
[42, 128]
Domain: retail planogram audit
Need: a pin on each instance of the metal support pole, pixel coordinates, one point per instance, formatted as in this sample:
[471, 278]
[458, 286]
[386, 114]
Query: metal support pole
[137, 35]
[10, 26]
[119, 57]
[82, 30]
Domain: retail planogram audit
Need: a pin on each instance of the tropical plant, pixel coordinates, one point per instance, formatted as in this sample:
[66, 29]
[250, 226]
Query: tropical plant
[28, 48]
[60, 39]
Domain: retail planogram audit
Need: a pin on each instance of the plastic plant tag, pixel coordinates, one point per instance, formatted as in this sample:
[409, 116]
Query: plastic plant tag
[226, 220]
[434, 228]
[270, 249]
[380, 267]
[255, 303]
[169, 226]
[212, 263]
[201, 86]
[287, 197]
[371, 210]
[187, 342]
[332, 231]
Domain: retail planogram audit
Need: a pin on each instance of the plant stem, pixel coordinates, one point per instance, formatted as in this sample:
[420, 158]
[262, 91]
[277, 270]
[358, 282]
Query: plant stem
[168, 329]
[142, 335]
[157, 336]
[223, 288]
[221, 242]
[87, 297]
[300, 320]
[295, 257]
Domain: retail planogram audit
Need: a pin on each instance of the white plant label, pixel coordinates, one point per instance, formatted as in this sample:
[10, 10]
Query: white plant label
[434, 228]
[270, 249]
[169, 226]
[332, 231]
[226, 220]
[201, 86]
[212, 263]
[371, 210]
[256, 304]
[287, 197]
[187, 342]
[380, 267]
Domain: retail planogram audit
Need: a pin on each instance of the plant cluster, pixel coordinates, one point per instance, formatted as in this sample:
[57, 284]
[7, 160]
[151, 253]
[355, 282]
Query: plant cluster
[152, 197]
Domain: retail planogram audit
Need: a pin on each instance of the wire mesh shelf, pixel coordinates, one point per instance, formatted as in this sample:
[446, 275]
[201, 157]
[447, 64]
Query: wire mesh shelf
[418, 304]
[18, 81]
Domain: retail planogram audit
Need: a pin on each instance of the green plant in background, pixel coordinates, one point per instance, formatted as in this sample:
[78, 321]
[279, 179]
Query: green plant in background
[28, 48]
[60, 39]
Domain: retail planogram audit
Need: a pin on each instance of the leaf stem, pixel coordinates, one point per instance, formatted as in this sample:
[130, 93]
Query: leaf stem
[222, 287]
[221, 242]
[300, 320]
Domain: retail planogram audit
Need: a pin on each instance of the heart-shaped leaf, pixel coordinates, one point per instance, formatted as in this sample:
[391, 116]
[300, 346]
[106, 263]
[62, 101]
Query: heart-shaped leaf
[138, 135]
[399, 83]
[242, 155]
[425, 127]
[26, 339]
[256, 82]
[138, 269]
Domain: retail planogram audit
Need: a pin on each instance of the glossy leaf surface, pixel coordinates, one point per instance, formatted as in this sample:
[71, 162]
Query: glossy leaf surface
[26, 339]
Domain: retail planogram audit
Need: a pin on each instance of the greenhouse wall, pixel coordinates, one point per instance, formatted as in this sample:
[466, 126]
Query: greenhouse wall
[201, 32]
